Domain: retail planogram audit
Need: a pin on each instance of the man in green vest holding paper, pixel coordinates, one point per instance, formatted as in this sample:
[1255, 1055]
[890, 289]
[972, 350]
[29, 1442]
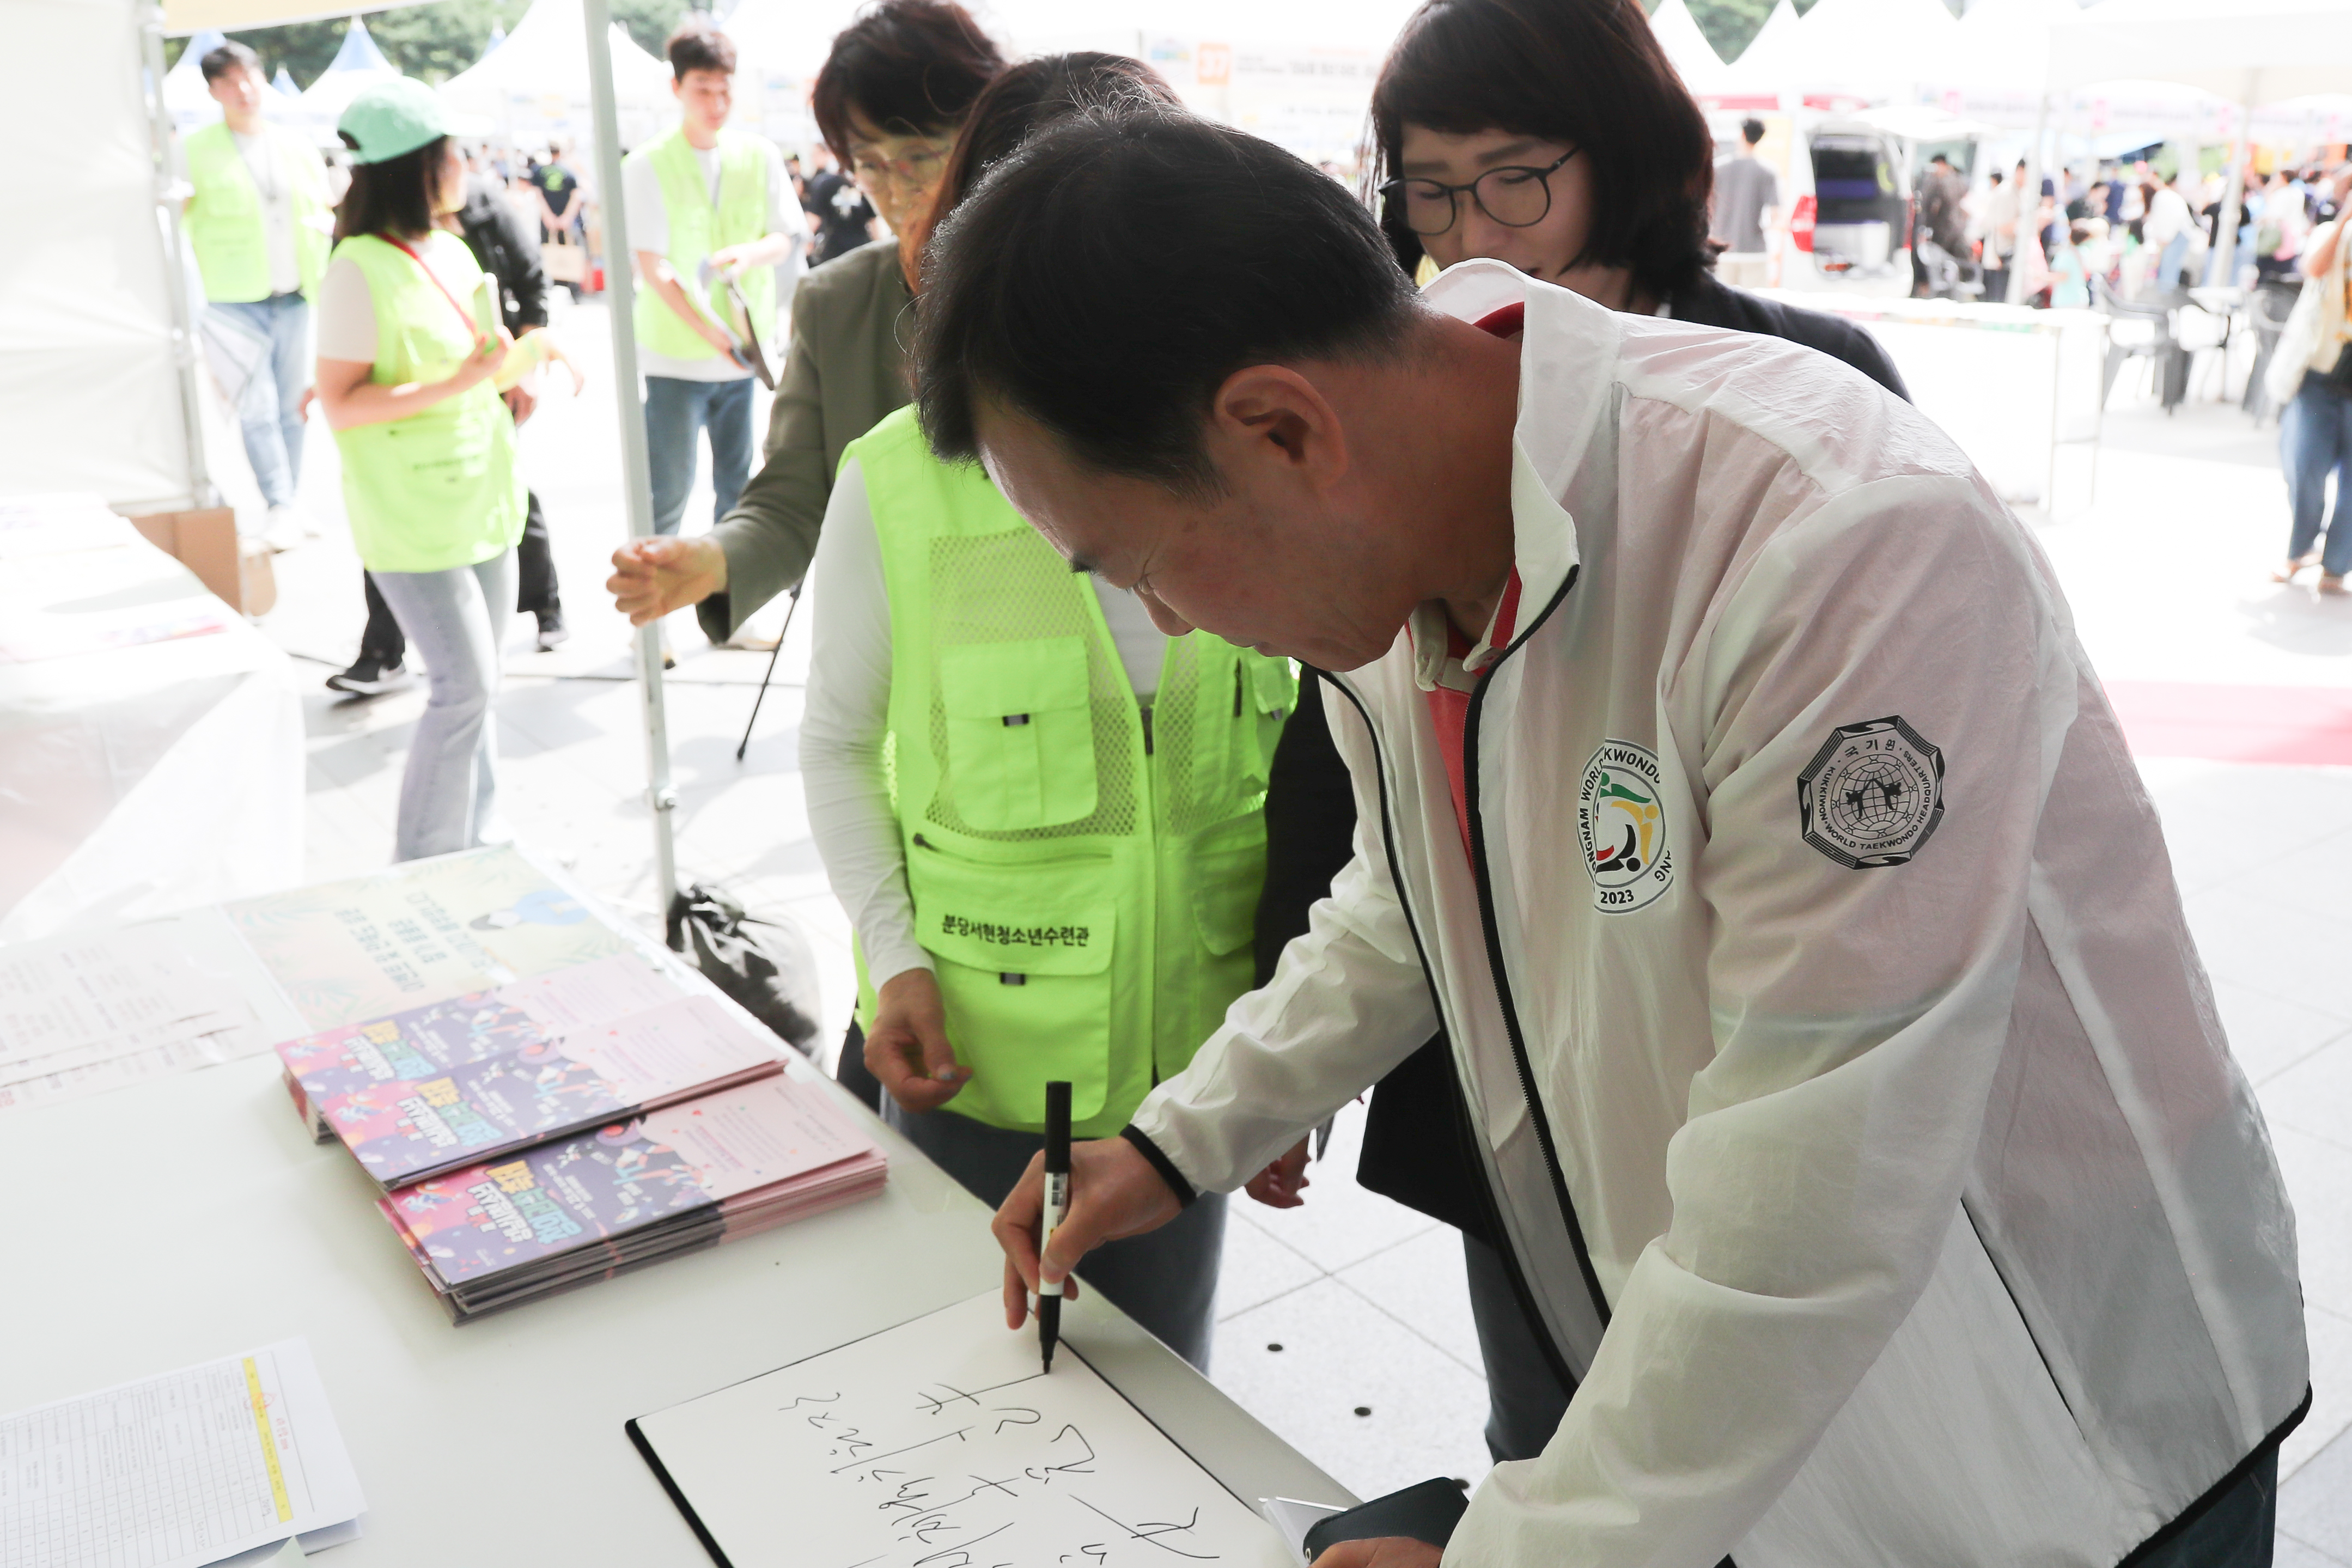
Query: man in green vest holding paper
[708, 206]
[258, 223]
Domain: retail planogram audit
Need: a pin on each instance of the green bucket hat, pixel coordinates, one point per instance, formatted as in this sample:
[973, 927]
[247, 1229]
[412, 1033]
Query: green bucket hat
[392, 118]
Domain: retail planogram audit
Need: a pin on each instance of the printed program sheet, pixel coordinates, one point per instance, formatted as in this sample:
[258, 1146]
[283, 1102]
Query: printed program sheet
[175, 1471]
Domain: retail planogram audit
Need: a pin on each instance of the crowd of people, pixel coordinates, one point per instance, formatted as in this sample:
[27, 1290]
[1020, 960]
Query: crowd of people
[1271, 645]
[2139, 231]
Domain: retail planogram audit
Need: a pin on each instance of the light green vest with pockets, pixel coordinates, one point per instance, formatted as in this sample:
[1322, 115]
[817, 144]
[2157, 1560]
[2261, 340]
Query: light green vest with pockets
[1084, 872]
[438, 489]
[224, 215]
[696, 228]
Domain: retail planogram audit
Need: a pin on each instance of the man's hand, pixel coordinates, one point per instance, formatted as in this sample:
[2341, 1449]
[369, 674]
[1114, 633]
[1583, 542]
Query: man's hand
[520, 401]
[908, 1047]
[1381, 1552]
[1279, 1185]
[730, 259]
[1114, 1193]
[654, 577]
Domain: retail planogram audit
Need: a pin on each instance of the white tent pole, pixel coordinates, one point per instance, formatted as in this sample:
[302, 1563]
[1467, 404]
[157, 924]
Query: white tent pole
[2234, 193]
[175, 277]
[636, 490]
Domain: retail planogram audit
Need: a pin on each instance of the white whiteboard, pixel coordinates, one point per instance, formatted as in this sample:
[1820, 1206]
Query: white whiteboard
[940, 1443]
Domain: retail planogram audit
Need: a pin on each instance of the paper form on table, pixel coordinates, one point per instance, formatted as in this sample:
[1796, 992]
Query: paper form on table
[175, 1471]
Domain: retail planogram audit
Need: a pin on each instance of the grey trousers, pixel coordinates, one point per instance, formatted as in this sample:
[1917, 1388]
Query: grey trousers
[1166, 1280]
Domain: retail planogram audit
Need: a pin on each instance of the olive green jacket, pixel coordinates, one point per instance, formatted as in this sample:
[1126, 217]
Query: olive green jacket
[845, 370]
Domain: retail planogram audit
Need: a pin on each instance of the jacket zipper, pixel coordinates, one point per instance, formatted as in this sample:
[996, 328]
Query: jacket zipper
[1520, 1288]
[1494, 935]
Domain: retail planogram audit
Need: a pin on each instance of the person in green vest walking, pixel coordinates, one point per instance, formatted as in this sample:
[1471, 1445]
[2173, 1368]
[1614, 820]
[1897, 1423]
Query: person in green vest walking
[705, 202]
[1045, 817]
[257, 219]
[410, 345]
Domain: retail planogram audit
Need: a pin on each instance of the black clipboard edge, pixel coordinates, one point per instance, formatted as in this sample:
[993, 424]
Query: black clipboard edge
[661, 1473]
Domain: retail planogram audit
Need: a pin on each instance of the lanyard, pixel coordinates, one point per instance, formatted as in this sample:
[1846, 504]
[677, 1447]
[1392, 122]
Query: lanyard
[464, 315]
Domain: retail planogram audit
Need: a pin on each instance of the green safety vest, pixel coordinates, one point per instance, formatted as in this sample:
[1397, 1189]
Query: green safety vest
[224, 215]
[438, 489]
[697, 228]
[1084, 872]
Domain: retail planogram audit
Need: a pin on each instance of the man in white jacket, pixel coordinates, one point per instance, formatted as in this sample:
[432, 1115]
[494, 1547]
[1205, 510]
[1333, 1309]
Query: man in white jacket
[1734, 792]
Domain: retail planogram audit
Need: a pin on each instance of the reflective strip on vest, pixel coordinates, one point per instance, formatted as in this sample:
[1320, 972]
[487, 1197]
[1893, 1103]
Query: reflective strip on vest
[438, 489]
[223, 220]
[1087, 903]
[697, 228]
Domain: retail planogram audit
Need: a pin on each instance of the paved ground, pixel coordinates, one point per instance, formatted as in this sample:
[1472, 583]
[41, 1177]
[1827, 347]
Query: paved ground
[1345, 1325]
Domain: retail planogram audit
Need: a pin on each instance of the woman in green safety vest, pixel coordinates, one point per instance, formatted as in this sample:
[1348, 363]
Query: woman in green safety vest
[410, 345]
[1044, 816]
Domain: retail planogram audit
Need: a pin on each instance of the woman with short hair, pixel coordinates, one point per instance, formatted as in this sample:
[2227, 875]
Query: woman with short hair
[410, 345]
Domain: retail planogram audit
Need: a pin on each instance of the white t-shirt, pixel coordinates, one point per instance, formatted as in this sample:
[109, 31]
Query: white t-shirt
[346, 306]
[848, 709]
[265, 161]
[649, 230]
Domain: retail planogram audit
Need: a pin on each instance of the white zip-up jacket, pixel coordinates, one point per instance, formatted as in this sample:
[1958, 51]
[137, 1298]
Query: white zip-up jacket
[1848, 1080]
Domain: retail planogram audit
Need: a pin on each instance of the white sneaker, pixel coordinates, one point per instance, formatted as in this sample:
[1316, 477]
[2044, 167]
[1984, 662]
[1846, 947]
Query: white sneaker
[283, 530]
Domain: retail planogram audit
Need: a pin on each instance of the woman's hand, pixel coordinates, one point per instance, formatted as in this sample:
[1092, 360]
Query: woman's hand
[1381, 1552]
[1114, 1193]
[653, 577]
[481, 364]
[1279, 1185]
[908, 1047]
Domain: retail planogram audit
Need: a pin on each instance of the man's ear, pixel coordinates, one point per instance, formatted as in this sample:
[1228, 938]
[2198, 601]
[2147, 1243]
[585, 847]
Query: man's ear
[1271, 414]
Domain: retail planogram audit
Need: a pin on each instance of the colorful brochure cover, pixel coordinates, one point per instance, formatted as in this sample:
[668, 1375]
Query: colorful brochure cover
[405, 1127]
[424, 1043]
[597, 1186]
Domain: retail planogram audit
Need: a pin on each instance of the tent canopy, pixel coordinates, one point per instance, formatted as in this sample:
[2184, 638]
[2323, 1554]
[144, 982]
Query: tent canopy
[2248, 51]
[2004, 45]
[1695, 59]
[534, 83]
[1761, 65]
[357, 66]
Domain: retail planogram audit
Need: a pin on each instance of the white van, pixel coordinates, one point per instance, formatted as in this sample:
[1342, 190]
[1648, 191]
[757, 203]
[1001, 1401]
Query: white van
[1850, 212]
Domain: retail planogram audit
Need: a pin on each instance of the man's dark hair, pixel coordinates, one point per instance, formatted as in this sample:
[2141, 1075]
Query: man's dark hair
[1940, 158]
[1751, 130]
[907, 67]
[398, 196]
[1104, 280]
[1589, 73]
[216, 63]
[697, 46]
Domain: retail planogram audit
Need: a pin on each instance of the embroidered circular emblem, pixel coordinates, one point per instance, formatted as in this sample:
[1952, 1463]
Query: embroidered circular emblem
[1620, 821]
[1872, 795]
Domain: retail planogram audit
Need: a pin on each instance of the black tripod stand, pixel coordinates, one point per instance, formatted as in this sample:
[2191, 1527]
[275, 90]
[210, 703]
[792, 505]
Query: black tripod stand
[773, 655]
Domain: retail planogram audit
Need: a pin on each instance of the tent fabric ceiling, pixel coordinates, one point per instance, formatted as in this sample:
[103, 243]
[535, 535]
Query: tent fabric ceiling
[2248, 51]
[228, 16]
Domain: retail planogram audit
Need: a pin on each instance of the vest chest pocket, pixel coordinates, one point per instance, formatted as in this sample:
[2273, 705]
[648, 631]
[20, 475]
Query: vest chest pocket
[1020, 733]
[1023, 954]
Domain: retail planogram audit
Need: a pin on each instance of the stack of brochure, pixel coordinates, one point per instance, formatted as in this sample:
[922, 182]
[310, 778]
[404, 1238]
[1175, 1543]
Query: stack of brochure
[561, 1128]
[586, 1207]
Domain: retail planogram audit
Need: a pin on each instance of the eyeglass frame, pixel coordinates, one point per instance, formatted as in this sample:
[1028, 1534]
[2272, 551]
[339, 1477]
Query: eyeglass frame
[895, 171]
[1394, 189]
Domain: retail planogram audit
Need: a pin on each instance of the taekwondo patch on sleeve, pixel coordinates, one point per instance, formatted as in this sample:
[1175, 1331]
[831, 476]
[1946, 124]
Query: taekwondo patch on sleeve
[1872, 795]
[1620, 822]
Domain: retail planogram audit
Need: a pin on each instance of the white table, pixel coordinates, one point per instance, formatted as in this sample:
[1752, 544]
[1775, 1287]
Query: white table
[191, 1217]
[150, 777]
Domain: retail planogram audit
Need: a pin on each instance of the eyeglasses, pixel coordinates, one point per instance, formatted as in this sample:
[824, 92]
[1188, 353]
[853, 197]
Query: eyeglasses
[1515, 196]
[918, 167]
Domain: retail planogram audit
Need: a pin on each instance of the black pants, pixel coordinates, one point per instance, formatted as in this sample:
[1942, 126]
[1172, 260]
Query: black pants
[535, 592]
[1165, 1279]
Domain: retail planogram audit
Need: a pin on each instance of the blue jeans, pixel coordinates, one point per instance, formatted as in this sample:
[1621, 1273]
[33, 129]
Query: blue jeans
[270, 411]
[675, 411]
[2316, 437]
[449, 796]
